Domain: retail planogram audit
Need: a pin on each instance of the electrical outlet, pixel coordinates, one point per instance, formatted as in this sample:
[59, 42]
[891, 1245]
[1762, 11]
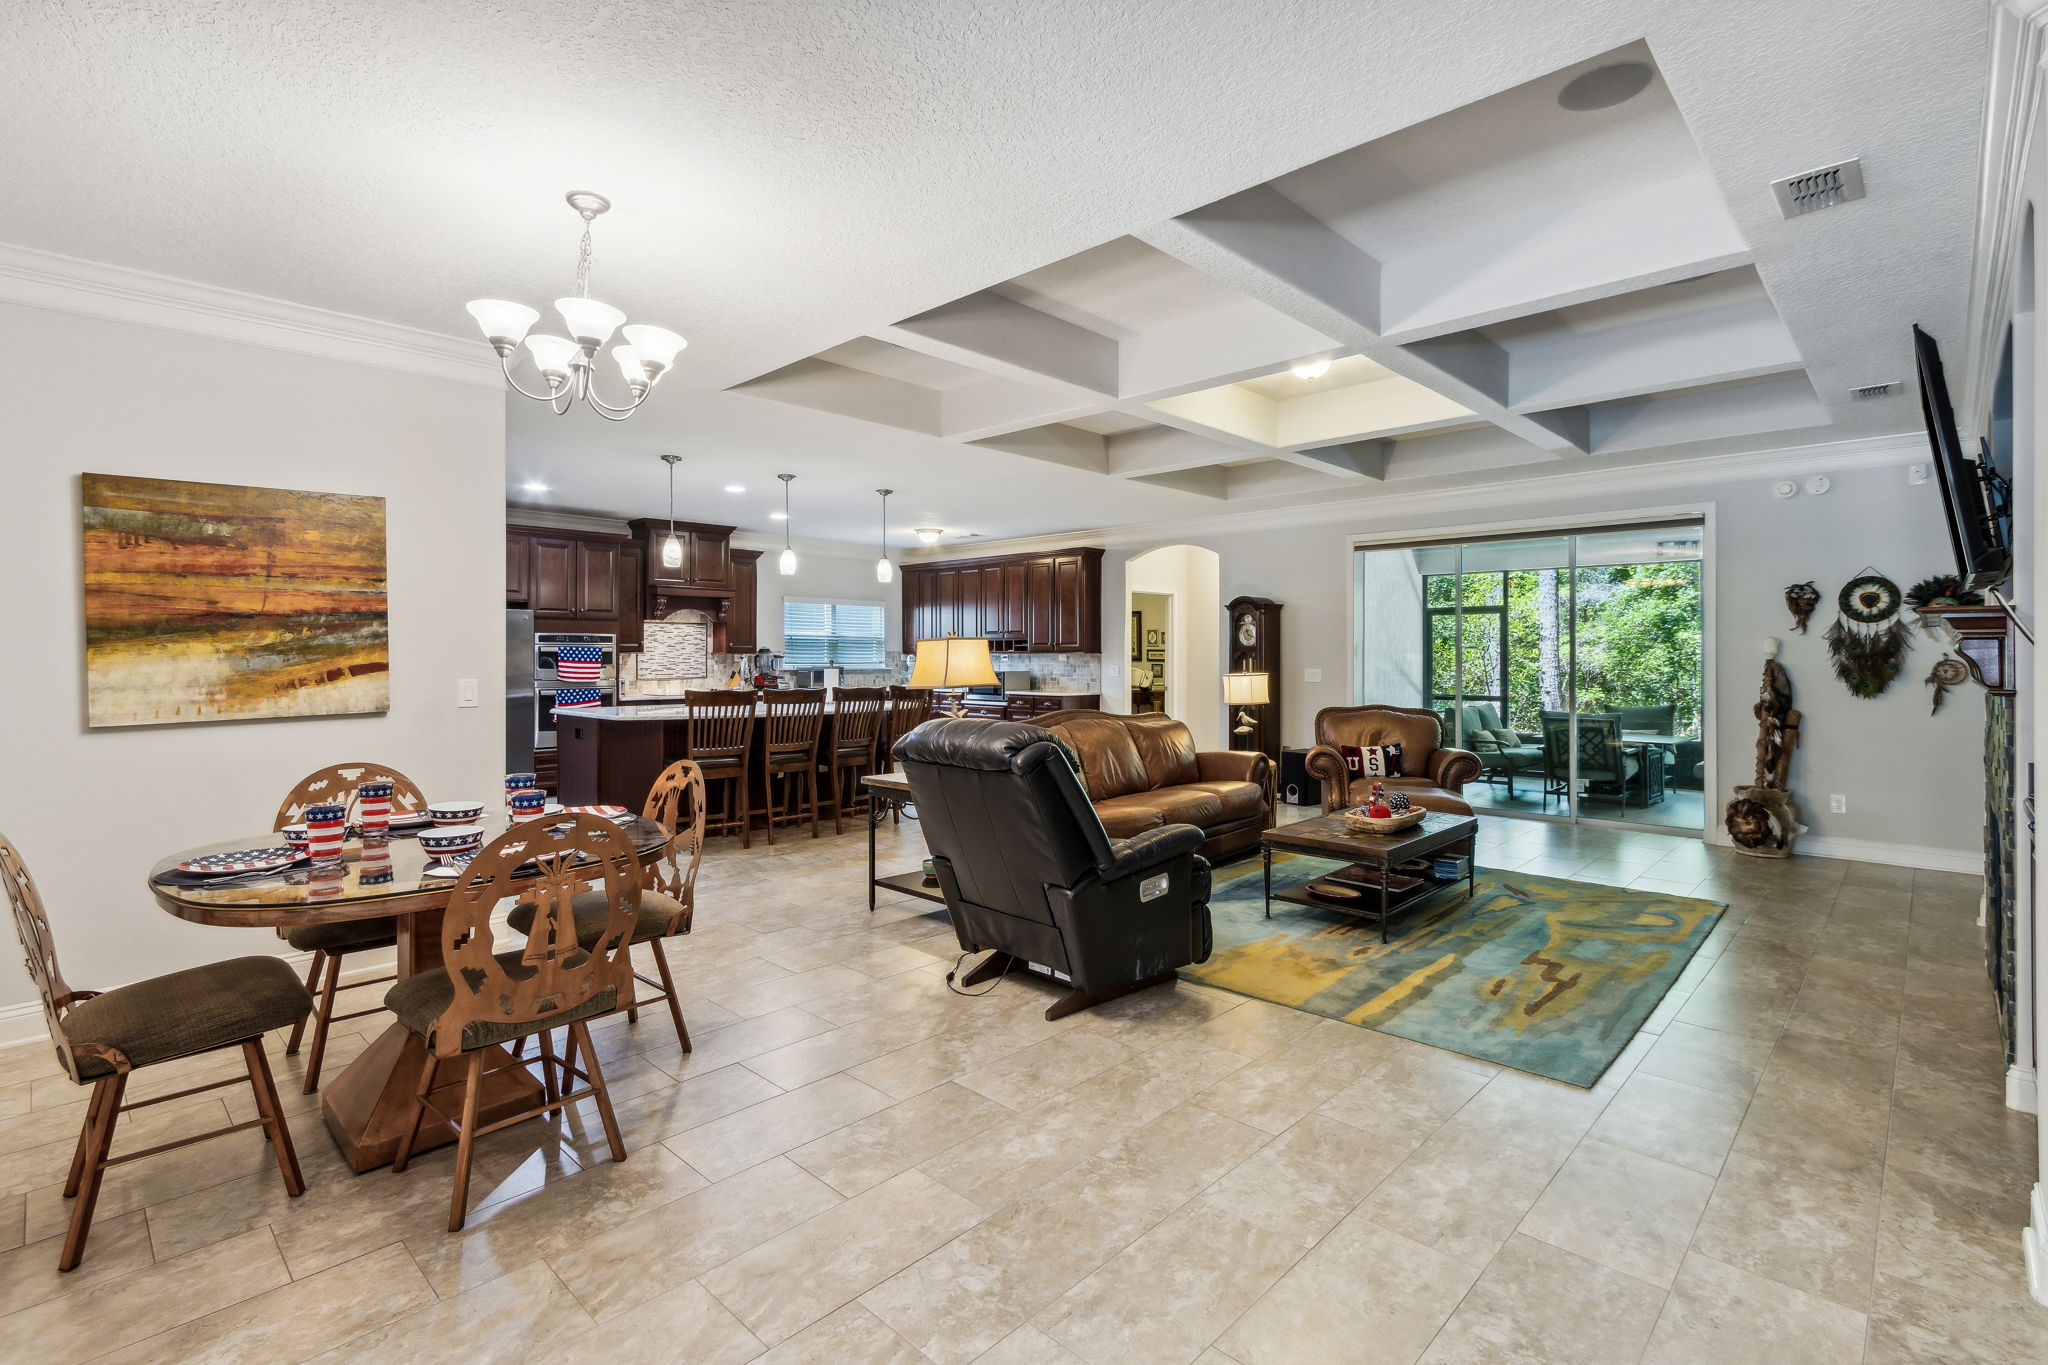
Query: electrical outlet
[1838, 805]
[465, 691]
[1309, 675]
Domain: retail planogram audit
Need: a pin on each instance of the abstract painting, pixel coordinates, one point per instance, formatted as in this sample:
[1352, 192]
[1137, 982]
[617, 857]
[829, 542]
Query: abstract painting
[207, 601]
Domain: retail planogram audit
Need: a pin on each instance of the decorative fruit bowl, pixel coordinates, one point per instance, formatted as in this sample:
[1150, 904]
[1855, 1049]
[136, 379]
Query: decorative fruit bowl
[1362, 823]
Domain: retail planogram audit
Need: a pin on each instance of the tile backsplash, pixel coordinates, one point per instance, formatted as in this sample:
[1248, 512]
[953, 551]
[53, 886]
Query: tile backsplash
[1049, 673]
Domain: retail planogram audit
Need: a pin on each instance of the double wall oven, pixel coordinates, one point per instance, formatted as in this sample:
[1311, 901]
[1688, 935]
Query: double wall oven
[548, 679]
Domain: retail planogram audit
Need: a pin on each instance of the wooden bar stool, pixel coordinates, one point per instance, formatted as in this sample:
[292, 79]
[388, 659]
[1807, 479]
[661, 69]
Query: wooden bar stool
[104, 1037]
[790, 730]
[721, 739]
[481, 999]
[331, 943]
[859, 715]
[909, 707]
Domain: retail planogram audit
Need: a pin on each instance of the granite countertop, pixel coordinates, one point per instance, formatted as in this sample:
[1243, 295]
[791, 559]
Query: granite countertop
[643, 712]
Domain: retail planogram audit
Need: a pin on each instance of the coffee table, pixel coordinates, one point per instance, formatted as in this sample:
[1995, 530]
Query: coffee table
[1327, 836]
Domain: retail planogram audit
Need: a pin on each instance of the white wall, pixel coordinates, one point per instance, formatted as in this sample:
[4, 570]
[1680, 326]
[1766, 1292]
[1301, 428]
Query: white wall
[1191, 575]
[823, 576]
[92, 810]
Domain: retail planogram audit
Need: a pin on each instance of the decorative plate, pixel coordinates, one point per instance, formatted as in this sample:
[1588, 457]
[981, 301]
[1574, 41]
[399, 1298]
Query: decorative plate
[1331, 891]
[242, 860]
[410, 817]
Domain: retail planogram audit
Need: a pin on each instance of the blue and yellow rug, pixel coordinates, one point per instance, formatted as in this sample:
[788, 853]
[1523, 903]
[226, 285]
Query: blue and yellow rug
[1540, 974]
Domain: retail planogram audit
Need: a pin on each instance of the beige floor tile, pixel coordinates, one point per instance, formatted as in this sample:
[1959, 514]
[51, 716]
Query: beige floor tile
[728, 1145]
[1951, 1239]
[823, 1054]
[1717, 1313]
[13, 1221]
[155, 1298]
[737, 1042]
[1461, 1192]
[1708, 1058]
[1253, 1029]
[1275, 1090]
[29, 1274]
[656, 1114]
[1028, 1078]
[1540, 1305]
[1306, 1180]
[886, 1143]
[609, 1270]
[1029, 1346]
[680, 1324]
[1672, 1121]
[1365, 1295]
[1836, 1141]
[1417, 1081]
[1815, 1235]
[1169, 1294]
[786, 1284]
[1913, 1325]
[526, 1315]
[1151, 1017]
[1621, 1209]
[850, 1334]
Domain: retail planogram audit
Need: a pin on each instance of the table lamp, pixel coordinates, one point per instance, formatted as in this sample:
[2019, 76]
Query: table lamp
[1242, 690]
[952, 663]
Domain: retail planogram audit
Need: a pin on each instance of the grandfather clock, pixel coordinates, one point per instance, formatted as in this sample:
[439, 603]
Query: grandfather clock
[1254, 647]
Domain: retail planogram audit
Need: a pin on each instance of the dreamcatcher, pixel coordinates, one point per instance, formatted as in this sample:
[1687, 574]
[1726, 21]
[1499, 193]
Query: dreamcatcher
[1948, 671]
[1800, 600]
[1941, 590]
[1868, 641]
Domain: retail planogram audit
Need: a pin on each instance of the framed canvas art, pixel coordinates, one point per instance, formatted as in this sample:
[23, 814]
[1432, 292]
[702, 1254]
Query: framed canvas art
[208, 601]
[1137, 630]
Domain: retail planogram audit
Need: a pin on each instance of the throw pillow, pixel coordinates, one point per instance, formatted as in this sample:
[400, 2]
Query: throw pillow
[1371, 760]
[1507, 739]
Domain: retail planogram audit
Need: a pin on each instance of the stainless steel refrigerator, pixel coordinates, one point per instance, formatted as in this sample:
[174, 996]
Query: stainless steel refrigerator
[519, 703]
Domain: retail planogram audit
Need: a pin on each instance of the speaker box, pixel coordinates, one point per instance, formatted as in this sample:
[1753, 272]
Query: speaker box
[1297, 788]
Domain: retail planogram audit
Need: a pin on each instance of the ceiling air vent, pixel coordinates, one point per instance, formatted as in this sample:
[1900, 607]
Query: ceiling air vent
[1874, 390]
[1821, 189]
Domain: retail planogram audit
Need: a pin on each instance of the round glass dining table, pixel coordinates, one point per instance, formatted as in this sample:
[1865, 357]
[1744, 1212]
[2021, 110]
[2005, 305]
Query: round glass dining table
[367, 1103]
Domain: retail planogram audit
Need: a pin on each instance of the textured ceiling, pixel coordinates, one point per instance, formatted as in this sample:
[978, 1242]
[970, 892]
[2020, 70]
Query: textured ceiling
[792, 176]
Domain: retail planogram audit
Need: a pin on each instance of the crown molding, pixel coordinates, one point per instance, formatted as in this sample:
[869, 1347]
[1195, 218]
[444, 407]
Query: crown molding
[1526, 485]
[65, 284]
[2012, 108]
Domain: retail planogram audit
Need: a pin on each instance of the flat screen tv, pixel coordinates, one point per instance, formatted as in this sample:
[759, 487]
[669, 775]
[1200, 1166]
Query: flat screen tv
[1971, 491]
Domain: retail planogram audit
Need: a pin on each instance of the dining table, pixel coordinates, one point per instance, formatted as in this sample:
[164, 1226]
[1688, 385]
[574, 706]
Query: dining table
[368, 1103]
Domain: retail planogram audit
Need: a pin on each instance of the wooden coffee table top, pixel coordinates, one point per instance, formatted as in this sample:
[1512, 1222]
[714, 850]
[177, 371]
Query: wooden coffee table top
[1328, 836]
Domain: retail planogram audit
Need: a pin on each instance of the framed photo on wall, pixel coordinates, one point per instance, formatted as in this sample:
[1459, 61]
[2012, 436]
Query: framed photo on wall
[1137, 633]
[1156, 656]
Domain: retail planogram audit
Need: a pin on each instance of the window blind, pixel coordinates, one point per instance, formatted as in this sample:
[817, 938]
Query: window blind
[832, 634]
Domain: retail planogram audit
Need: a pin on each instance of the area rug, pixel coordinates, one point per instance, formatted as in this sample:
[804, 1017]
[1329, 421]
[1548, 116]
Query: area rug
[1536, 973]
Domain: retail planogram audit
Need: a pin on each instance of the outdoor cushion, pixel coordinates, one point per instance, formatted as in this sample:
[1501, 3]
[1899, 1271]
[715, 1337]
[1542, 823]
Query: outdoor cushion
[344, 935]
[189, 1011]
[419, 1001]
[659, 916]
[1507, 739]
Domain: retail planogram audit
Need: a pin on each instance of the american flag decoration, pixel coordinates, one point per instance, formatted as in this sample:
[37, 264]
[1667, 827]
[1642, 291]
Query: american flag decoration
[579, 663]
[569, 697]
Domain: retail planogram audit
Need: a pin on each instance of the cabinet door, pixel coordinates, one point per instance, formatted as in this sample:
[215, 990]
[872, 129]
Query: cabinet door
[1039, 625]
[967, 603]
[551, 585]
[913, 608]
[631, 595]
[518, 558]
[1010, 578]
[597, 579]
[1069, 605]
[707, 559]
[988, 586]
[742, 630]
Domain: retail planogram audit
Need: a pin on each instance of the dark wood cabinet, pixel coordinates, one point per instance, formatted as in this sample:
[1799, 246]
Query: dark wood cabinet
[597, 579]
[567, 576]
[1038, 609]
[1046, 603]
[518, 563]
[1077, 607]
[552, 590]
[707, 554]
[743, 629]
[1011, 586]
[632, 619]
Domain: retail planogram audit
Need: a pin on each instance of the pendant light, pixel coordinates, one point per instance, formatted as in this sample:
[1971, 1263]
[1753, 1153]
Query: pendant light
[672, 548]
[788, 561]
[885, 572]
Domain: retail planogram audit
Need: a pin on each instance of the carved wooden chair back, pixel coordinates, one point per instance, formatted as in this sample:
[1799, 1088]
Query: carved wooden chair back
[721, 724]
[39, 949]
[792, 724]
[339, 783]
[551, 974]
[857, 716]
[676, 803]
[909, 707]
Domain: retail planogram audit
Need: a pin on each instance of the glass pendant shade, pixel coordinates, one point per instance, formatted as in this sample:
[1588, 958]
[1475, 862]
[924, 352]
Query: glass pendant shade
[885, 572]
[554, 355]
[787, 563]
[672, 552]
[629, 364]
[500, 320]
[589, 321]
[656, 346]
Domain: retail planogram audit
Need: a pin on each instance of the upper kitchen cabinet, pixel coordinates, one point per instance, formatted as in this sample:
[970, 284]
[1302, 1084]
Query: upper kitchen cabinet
[742, 625]
[706, 560]
[566, 575]
[1043, 603]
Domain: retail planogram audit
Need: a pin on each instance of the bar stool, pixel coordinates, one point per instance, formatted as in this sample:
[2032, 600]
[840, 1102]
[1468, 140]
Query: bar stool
[858, 717]
[721, 739]
[102, 1038]
[330, 943]
[790, 729]
[909, 707]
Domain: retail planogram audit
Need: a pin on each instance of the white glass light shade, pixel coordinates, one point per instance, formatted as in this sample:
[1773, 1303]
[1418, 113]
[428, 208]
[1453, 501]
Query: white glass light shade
[952, 662]
[1311, 369]
[553, 354]
[589, 321]
[929, 535]
[1245, 689]
[787, 563]
[629, 364]
[672, 552]
[500, 320]
[885, 572]
[657, 346]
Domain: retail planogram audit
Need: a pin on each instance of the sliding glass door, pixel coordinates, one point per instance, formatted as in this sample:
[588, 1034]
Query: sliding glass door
[1570, 663]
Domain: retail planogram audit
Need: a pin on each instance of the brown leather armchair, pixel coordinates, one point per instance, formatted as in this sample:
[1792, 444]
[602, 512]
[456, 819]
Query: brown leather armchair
[1142, 772]
[1433, 776]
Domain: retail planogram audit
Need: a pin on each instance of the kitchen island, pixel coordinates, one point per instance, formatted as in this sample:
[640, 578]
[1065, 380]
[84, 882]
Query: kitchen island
[610, 755]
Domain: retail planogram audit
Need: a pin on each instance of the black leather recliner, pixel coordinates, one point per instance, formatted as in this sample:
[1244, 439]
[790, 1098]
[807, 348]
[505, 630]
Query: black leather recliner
[1027, 870]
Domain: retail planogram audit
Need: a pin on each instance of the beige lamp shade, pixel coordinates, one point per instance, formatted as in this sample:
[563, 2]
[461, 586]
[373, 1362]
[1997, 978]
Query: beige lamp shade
[1245, 689]
[952, 662]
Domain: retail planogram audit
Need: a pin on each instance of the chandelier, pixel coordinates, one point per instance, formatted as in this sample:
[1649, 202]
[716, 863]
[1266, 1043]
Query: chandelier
[565, 362]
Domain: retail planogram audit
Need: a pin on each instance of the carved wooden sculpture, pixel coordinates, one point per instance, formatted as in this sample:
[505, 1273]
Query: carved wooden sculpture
[1763, 819]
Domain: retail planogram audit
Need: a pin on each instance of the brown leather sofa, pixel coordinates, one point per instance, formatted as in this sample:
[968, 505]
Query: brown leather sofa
[1142, 772]
[1432, 776]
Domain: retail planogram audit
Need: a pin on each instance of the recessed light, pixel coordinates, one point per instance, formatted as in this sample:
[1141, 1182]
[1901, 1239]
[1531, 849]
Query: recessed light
[778, 516]
[534, 486]
[735, 488]
[1311, 369]
[929, 534]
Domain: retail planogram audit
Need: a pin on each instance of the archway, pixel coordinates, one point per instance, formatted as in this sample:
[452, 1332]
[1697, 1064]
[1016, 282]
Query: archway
[1182, 584]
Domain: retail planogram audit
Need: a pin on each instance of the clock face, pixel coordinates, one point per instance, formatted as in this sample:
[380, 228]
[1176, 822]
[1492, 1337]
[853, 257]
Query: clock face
[1247, 630]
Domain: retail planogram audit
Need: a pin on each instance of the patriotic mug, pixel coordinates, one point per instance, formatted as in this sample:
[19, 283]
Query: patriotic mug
[520, 782]
[325, 825]
[375, 867]
[295, 839]
[326, 882]
[528, 803]
[373, 806]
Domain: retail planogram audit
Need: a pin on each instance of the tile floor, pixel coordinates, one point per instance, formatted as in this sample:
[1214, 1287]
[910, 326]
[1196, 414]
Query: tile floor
[1803, 1158]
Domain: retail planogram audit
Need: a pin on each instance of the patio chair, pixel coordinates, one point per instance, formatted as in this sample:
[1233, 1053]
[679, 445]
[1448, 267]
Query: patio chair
[1605, 765]
[1503, 753]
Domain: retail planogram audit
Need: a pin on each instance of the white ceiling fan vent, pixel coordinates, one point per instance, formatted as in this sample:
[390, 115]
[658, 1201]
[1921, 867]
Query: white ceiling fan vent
[1890, 386]
[1821, 189]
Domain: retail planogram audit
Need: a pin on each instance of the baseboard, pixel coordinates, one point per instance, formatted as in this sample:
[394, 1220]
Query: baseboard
[1970, 862]
[2021, 1090]
[2034, 1241]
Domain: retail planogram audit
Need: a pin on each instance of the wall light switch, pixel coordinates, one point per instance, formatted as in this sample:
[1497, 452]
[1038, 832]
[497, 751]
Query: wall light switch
[1110, 672]
[1309, 675]
[465, 691]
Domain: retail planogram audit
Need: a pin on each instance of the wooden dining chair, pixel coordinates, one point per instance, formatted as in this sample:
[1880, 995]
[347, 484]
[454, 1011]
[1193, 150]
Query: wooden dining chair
[790, 730]
[482, 998]
[720, 736]
[668, 892]
[858, 717]
[909, 707]
[103, 1037]
[330, 944]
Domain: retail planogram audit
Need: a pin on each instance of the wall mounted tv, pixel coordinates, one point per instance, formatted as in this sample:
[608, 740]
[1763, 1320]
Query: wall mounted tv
[1972, 491]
